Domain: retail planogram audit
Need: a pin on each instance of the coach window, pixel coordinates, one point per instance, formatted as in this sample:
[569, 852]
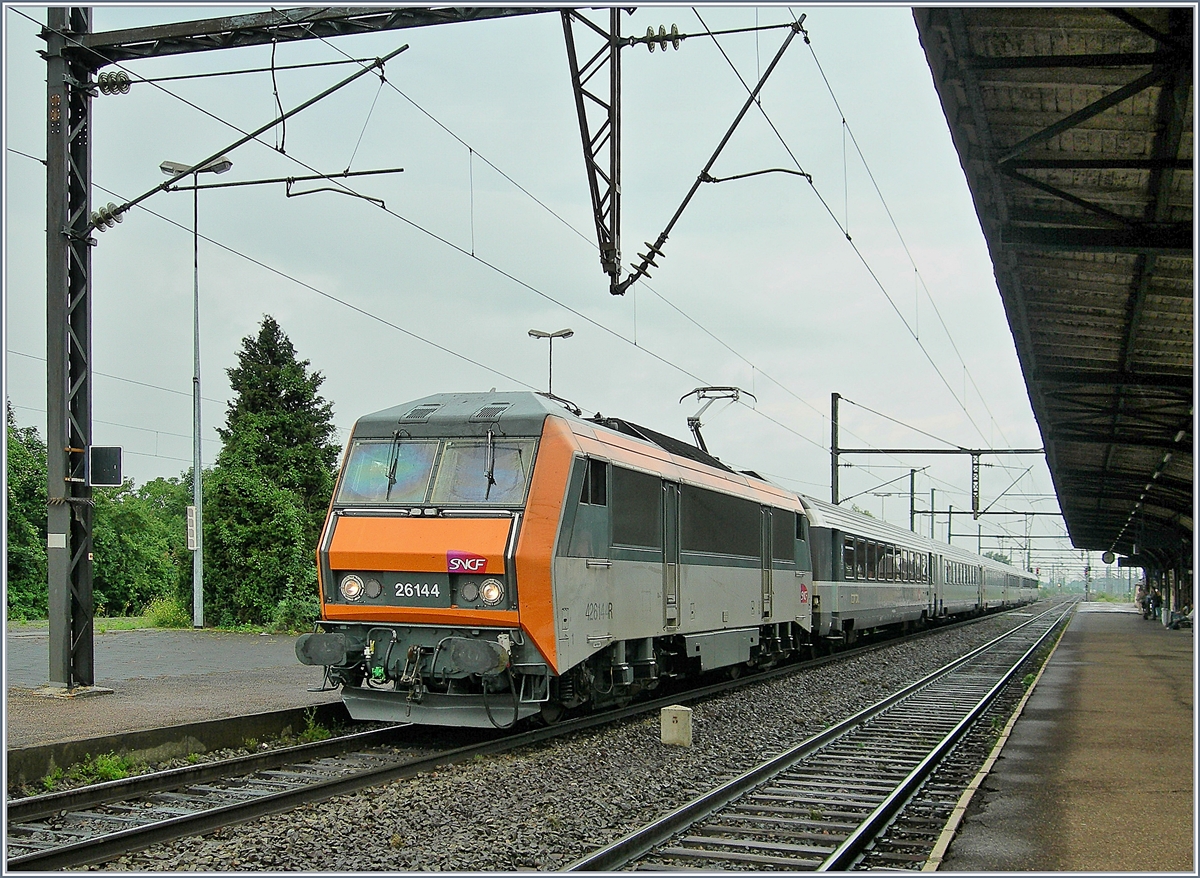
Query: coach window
[636, 509]
[889, 563]
[860, 559]
[871, 559]
[848, 558]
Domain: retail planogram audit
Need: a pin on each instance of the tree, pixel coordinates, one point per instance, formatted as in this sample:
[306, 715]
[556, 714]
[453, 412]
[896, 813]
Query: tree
[278, 424]
[26, 488]
[266, 499]
[996, 556]
[139, 545]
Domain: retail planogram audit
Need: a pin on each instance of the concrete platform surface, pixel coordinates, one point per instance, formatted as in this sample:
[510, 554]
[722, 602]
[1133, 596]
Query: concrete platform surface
[1098, 773]
[158, 678]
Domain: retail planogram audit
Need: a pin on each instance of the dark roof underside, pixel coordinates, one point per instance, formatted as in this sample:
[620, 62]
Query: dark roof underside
[1074, 128]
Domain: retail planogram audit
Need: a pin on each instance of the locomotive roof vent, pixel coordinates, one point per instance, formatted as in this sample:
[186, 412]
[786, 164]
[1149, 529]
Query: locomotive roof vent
[491, 412]
[421, 412]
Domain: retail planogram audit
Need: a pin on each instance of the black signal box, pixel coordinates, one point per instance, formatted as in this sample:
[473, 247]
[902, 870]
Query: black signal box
[104, 466]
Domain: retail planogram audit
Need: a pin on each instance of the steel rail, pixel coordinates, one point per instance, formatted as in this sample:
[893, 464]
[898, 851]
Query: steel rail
[105, 847]
[642, 841]
[46, 804]
[850, 850]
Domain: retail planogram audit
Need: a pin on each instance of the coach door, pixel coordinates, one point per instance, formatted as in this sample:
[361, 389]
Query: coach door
[670, 544]
[765, 546]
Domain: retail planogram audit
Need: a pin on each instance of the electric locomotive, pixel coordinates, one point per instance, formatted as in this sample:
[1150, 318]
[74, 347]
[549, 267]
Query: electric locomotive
[491, 556]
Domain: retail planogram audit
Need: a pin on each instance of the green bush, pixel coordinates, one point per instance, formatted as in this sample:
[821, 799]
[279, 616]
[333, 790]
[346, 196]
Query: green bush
[26, 496]
[296, 613]
[165, 612]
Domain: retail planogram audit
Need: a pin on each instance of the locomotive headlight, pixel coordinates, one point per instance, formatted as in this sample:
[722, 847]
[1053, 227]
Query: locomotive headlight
[491, 591]
[351, 587]
[374, 588]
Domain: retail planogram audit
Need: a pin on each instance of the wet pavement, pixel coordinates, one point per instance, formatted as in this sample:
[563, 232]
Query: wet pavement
[158, 677]
[1097, 775]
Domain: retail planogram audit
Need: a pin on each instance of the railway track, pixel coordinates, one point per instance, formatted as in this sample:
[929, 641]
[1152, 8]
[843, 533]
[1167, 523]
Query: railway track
[860, 789]
[99, 823]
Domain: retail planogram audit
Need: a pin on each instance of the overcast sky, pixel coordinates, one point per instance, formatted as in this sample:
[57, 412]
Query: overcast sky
[759, 287]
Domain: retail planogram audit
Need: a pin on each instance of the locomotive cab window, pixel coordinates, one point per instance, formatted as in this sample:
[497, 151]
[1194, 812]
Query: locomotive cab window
[388, 471]
[493, 470]
[595, 484]
[586, 526]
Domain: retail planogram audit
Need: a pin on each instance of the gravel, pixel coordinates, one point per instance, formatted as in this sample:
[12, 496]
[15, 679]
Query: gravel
[545, 806]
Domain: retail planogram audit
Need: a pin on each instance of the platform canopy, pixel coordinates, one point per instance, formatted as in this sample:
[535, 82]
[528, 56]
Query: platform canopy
[1074, 128]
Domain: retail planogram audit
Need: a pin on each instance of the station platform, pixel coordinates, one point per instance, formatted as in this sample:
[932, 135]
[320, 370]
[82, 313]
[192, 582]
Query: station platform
[1097, 774]
[158, 678]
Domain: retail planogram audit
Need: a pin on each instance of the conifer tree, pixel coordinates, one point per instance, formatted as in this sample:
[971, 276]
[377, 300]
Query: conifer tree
[266, 498]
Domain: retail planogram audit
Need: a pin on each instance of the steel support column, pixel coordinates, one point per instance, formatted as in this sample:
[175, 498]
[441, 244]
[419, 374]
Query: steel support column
[68, 352]
[833, 447]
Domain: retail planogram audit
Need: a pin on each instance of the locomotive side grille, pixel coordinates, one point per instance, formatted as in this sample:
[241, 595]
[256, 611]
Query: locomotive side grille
[421, 412]
[491, 412]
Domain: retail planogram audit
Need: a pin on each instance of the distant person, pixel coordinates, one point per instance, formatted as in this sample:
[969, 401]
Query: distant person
[1156, 604]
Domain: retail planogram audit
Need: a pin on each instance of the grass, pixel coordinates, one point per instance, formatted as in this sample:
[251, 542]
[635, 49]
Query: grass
[94, 769]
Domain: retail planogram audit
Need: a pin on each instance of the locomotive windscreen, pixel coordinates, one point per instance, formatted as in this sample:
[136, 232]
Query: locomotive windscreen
[490, 471]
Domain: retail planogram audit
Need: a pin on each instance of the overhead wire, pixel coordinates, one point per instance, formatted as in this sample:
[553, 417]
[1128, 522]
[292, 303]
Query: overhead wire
[118, 377]
[862, 258]
[442, 240]
[511, 277]
[916, 269]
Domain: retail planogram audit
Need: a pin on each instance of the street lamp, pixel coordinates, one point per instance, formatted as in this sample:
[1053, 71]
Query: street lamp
[217, 166]
[562, 333]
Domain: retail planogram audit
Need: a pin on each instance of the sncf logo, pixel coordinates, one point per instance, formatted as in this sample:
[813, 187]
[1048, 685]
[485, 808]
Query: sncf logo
[465, 562]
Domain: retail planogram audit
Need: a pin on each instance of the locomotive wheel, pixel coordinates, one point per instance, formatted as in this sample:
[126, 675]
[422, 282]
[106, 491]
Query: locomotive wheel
[552, 712]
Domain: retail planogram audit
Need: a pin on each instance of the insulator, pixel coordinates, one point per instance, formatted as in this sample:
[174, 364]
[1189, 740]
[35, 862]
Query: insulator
[675, 38]
[662, 37]
[113, 83]
[106, 217]
[649, 38]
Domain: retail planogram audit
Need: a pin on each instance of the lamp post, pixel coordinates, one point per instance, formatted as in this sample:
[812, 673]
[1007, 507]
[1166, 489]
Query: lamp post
[562, 333]
[216, 166]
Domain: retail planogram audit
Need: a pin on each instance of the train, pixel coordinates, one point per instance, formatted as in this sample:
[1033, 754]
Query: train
[492, 558]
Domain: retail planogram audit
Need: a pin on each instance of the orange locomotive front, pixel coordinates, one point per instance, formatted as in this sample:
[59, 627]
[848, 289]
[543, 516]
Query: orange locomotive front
[435, 561]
